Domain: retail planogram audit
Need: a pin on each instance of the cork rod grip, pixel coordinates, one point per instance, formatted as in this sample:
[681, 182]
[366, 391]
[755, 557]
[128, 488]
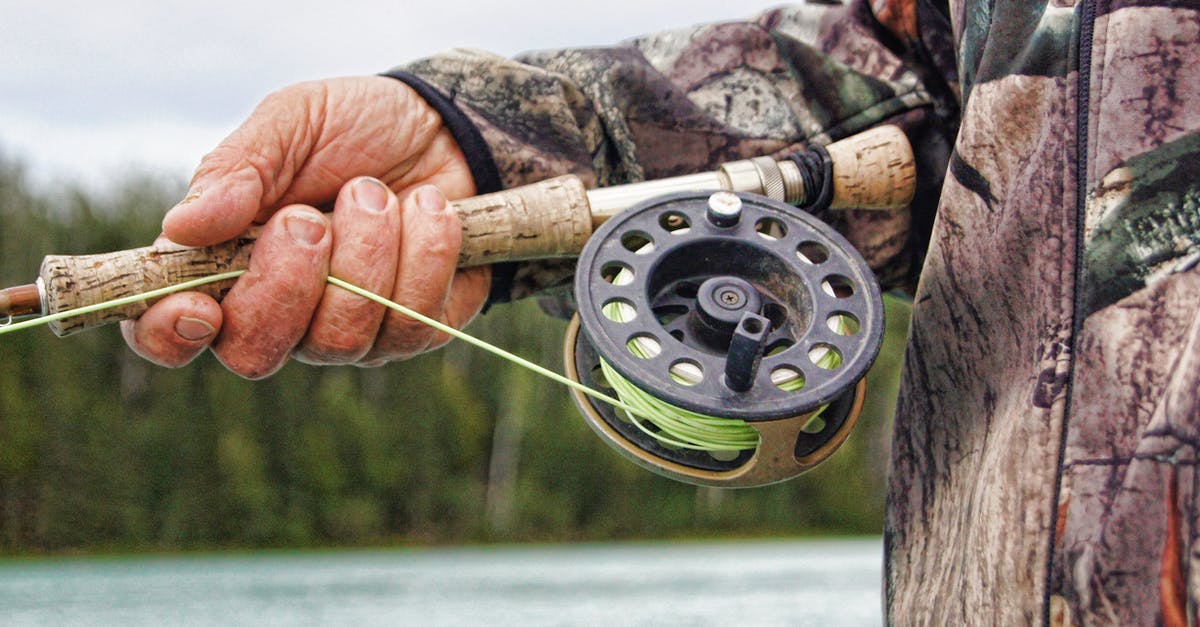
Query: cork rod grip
[542, 220]
[546, 219]
[76, 281]
[874, 169]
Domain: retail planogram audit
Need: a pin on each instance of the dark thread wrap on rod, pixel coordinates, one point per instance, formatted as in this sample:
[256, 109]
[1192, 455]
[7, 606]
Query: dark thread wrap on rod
[816, 173]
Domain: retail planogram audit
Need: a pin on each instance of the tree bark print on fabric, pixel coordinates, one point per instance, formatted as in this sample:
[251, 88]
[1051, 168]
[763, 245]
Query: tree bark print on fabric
[1044, 378]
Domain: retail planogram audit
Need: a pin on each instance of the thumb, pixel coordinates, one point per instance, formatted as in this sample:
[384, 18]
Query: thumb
[221, 202]
[249, 171]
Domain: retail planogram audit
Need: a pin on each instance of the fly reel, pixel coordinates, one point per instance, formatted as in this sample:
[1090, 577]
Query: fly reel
[737, 326]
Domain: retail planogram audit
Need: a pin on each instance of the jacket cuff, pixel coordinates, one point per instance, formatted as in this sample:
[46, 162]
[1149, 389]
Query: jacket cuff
[479, 161]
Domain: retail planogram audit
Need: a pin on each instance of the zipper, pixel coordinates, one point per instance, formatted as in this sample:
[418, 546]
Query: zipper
[1087, 26]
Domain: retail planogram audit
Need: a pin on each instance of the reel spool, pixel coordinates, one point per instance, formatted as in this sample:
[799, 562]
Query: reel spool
[732, 306]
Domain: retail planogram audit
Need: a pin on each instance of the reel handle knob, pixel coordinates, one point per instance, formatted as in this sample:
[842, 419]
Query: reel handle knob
[746, 351]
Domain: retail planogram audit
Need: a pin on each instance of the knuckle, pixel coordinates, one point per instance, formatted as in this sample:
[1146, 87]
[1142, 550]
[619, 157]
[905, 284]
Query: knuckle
[438, 340]
[333, 346]
[217, 160]
[286, 96]
[323, 356]
[443, 248]
[245, 364]
[402, 337]
[252, 163]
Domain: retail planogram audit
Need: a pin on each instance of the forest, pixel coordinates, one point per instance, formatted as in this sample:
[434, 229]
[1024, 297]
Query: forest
[101, 451]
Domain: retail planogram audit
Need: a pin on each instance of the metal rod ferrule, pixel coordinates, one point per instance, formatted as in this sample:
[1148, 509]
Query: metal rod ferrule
[778, 180]
[22, 301]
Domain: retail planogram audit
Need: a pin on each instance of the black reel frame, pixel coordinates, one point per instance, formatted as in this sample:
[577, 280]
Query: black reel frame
[732, 305]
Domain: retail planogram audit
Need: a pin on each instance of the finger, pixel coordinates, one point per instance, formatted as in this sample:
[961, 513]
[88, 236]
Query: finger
[366, 248]
[250, 170]
[429, 245]
[468, 293]
[269, 308]
[174, 330]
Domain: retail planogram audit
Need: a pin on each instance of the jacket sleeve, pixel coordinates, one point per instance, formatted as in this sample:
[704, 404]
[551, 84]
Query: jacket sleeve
[686, 100]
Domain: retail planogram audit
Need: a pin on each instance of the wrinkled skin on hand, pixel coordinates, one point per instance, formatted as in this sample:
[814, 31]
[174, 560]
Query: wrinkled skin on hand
[379, 155]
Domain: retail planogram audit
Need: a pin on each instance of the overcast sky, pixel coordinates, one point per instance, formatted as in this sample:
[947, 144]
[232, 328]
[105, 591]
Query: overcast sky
[91, 90]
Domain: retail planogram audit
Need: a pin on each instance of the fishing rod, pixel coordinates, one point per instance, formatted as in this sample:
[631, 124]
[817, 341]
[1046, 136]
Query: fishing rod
[734, 327]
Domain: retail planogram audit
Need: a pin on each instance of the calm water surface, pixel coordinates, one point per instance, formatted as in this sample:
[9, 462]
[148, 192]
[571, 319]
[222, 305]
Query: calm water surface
[763, 583]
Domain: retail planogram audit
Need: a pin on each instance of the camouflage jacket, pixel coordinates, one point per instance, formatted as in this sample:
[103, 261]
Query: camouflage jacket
[1043, 464]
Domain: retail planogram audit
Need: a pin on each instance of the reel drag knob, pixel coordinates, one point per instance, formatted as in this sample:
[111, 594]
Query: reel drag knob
[741, 327]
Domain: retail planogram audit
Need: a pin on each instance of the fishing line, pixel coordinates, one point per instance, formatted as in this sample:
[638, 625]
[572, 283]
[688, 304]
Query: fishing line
[691, 430]
[119, 302]
[674, 426]
[684, 429]
[224, 276]
[474, 341]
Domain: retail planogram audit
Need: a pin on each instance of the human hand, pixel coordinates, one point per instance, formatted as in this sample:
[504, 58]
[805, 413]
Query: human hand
[304, 147]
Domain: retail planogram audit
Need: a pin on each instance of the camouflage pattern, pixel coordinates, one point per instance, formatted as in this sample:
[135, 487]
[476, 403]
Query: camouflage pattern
[1044, 465]
[665, 105]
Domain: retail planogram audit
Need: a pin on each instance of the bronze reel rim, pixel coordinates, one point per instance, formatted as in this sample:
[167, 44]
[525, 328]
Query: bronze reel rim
[773, 461]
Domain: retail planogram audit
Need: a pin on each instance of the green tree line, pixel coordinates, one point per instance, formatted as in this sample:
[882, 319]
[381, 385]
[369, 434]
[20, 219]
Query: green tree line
[102, 451]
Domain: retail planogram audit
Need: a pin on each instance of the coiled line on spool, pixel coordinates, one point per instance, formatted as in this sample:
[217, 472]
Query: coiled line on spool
[682, 428]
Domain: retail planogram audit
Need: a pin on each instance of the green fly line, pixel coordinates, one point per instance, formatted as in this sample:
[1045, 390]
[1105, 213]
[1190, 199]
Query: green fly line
[119, 302]
[682, 428]
[225, 276]
[676, 427]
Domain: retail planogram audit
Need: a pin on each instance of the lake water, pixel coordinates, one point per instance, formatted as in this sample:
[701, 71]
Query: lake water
[811, 582]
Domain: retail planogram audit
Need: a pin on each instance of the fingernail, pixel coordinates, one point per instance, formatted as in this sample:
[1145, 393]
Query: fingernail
[192, 196]
[193, 329]
[430, 199]
[370, 194]
[305, 229]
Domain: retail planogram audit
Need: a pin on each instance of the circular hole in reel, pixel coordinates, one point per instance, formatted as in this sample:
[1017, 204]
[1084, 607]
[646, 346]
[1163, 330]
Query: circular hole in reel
[813, 253]
[638, 242]
[674, 222]
[687, 372]
[617, 273]
[644, 346]
[788, 378]
[619, 310]
[843, 323]
[837, 286]
[771, 228]
[825, 356]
